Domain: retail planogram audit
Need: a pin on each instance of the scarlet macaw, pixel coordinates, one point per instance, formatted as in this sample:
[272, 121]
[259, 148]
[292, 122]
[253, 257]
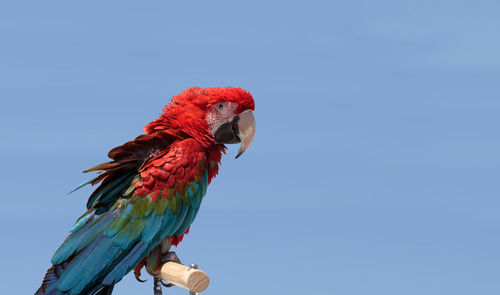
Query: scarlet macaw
[150, 193]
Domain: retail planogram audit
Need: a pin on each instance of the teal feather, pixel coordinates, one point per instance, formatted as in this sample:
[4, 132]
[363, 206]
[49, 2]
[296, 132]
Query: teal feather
[79, 239]
[119, 222]
[204, 184]
[154, 225]
[82, 221]
[98, 261]
[167, 223]
[186, 222]
[130, 232]
[111, 244]
[67, 279]
[111, 189]
[198, 195]
[106, 197]
[178, 221]
[195, 201]
[80, 186]
[119, 230]
[127, 263]
[190, 191]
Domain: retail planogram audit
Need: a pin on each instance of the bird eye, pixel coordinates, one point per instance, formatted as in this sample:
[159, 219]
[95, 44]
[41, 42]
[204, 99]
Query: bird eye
[220, 106]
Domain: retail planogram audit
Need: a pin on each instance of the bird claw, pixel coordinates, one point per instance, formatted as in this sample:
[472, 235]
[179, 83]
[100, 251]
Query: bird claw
[170, 257]
[165, 284]
[137, 272]
[158, 282]
[138, 278]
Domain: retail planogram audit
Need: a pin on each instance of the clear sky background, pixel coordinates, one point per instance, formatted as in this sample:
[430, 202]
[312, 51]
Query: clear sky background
[375, 167]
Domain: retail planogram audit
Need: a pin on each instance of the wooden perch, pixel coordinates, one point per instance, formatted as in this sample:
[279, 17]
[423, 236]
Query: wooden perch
[192, 279]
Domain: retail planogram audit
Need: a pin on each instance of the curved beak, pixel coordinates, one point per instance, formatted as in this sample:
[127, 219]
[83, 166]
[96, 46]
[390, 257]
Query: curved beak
[240, 129]
[246, 126]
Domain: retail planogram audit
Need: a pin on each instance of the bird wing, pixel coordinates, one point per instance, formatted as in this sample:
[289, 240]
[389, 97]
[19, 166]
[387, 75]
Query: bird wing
[126, 221]
[115, 176]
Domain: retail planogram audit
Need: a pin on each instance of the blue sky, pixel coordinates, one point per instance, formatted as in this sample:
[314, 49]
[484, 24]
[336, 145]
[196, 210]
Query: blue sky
[375, 165]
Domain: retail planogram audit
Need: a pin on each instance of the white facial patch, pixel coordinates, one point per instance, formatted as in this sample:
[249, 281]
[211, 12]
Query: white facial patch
[220, 113]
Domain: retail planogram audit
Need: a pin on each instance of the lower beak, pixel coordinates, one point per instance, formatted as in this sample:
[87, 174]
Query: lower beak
[240, 129]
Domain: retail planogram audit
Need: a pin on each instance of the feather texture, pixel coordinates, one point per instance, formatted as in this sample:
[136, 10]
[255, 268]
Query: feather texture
[147, 196]
[104, 246]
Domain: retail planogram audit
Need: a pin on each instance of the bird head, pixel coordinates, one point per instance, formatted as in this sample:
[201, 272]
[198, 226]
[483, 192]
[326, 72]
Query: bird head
[210, 115]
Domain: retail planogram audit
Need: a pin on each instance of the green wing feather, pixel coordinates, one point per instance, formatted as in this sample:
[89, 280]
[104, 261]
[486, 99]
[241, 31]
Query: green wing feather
[107, 246]
[122, 225]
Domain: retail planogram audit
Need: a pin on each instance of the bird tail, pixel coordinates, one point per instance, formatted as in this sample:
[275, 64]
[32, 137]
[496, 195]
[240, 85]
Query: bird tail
[53, 274]
[105, 290]
[49, 283]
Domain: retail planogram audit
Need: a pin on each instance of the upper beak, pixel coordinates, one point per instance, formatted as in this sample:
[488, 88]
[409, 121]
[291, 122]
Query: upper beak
[241, 128]
[246, 126]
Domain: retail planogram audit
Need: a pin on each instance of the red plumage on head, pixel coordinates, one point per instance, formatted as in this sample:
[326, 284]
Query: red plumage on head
[185, 116]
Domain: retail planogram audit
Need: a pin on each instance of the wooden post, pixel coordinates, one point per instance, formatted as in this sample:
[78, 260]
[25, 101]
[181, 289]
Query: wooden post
[192, 279]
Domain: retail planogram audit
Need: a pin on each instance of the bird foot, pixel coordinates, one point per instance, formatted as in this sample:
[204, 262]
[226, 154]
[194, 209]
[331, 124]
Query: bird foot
[158, 282]
[170, 256]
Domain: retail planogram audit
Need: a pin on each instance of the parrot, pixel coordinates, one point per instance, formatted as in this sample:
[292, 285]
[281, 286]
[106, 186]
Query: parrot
[150, 192]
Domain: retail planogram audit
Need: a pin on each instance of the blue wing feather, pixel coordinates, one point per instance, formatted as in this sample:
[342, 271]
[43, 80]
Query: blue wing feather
[111, 244]
[105, 245]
